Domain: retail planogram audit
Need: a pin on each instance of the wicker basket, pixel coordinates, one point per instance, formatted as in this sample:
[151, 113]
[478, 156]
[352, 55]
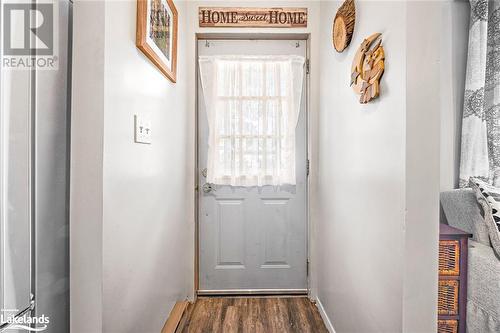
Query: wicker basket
[447, 326]
[448, 297]
[449, 257]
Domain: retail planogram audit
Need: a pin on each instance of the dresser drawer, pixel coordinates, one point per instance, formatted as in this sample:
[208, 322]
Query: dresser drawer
[448, 297]
[447, 326]
[449, 257]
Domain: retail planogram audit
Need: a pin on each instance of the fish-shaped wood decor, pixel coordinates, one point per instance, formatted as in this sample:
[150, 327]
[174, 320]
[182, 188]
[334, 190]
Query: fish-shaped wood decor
[367, 68]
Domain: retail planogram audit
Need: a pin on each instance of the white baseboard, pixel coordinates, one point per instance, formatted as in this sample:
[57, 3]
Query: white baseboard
[323, 314]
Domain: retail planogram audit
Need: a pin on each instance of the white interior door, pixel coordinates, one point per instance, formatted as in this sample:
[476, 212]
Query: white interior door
[253, 238]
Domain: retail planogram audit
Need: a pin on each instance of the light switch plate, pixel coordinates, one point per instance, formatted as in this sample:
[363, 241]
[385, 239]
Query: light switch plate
[142, 129]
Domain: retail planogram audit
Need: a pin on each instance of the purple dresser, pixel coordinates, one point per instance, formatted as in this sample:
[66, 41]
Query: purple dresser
[452, 292]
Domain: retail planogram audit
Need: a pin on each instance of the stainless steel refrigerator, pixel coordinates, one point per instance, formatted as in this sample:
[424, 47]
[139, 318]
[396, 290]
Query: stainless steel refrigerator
[34, 187]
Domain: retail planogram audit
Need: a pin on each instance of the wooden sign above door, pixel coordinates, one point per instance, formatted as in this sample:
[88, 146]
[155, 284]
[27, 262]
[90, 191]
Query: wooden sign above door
[228, 17]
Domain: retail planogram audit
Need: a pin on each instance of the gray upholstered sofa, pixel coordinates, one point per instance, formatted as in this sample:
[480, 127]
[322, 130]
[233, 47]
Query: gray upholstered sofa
[459, 208]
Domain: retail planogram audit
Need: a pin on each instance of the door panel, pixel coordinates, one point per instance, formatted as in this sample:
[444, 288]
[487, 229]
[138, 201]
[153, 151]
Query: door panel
[252, 238]
[275, 232]
[231, 234]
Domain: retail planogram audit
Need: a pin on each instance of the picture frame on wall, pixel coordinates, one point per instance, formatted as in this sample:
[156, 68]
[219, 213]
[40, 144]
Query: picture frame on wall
[157, 25]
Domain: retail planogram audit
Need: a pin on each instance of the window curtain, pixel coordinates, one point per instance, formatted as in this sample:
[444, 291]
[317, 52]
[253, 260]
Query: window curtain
[253, 105]
[480, 154]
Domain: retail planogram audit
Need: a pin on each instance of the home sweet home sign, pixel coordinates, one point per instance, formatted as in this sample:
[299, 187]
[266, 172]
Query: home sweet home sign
[253, 17]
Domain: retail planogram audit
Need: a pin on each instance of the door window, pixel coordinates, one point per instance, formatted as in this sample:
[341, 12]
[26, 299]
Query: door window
[253, 104]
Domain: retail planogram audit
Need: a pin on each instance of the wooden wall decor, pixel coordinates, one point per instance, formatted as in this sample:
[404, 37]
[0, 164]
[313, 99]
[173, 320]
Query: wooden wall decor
[367, 68]
[227, 17]
[343, 25]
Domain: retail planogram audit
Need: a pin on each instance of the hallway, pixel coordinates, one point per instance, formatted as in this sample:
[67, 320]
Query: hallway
[252, 315]
[181, 149]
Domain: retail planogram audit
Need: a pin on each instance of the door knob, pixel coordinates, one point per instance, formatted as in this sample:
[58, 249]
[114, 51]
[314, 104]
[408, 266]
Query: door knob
[208, 187]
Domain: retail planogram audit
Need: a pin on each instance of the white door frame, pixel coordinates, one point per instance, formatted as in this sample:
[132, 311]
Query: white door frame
[253, 36]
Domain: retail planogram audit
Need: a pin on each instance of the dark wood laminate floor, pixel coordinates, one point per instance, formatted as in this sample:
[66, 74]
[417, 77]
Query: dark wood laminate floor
[252, 315]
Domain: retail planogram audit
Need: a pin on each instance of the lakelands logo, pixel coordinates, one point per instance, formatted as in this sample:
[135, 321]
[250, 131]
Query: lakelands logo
[29, 32]
[26, 323]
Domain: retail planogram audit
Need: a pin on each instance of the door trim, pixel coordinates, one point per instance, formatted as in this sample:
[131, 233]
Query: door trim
[250, 36]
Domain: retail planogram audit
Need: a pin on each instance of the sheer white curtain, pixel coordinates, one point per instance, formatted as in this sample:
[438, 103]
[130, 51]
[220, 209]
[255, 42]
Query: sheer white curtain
[253, 105]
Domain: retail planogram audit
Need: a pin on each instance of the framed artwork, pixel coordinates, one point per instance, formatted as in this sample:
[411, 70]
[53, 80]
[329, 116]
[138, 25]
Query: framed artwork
[157, 34]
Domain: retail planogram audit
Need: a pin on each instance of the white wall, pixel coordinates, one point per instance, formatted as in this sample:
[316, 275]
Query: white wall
[379, 174]
[361, 178]
[421, 226]
[454, 44]
[148, 189]
[86, 170]
[142, 239]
